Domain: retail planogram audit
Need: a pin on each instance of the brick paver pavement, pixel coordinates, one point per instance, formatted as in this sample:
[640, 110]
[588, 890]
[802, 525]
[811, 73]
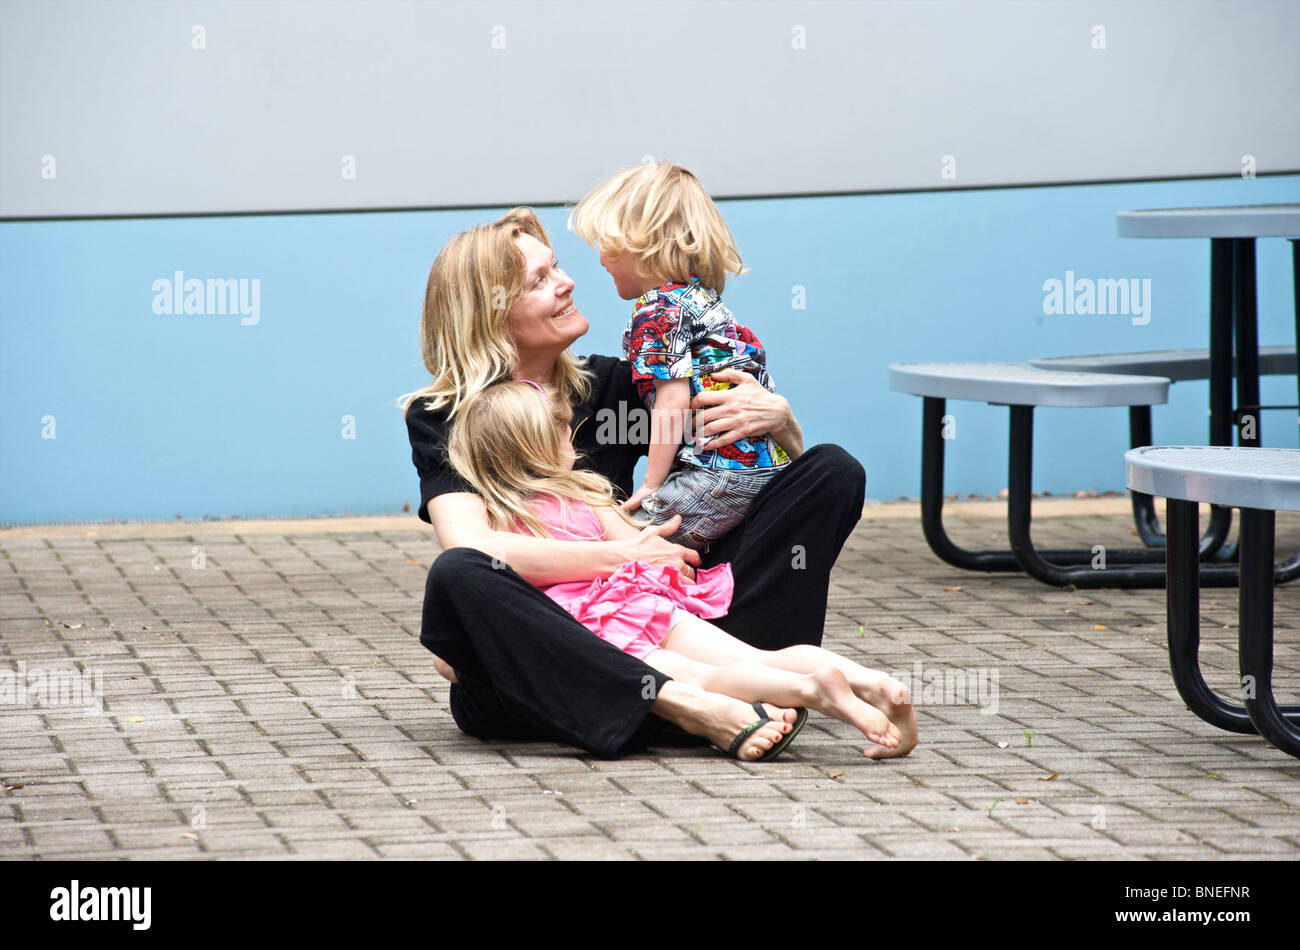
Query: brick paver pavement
[255, 690]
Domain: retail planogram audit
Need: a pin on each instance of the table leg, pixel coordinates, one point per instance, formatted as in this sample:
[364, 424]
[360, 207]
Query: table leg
[1246, 317]
[1220, 371]
[1221, 341]
[1295, 277]
[1246, 344]
[1255, 634]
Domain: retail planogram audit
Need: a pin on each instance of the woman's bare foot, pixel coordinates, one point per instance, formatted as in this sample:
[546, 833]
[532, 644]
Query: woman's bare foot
[444, 669]
[720, 718]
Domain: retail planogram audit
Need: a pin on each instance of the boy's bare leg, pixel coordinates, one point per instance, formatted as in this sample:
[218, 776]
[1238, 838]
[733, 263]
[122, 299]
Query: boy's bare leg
[705, 642]
[826, 690]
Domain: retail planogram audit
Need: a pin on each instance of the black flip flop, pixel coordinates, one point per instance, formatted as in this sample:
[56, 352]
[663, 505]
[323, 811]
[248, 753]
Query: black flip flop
[764, 718]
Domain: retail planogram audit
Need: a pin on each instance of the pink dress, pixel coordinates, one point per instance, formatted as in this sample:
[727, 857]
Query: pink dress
[633, 607]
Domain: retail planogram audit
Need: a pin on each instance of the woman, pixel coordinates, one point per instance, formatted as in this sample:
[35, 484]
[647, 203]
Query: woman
[497, 306]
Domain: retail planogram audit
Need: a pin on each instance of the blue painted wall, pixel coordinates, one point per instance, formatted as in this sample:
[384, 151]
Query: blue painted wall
[156, 416]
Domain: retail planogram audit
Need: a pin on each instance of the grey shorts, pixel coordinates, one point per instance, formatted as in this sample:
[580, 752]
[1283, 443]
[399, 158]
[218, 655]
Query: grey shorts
[711, 502]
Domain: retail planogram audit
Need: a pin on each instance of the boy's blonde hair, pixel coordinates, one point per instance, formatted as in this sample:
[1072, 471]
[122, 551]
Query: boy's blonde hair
[661, 214]
[464, 336]
[506, 446]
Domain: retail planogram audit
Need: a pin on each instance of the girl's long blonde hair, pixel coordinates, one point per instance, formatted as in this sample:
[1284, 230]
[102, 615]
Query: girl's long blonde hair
[506, 445]
[661, 214]
[464, 335]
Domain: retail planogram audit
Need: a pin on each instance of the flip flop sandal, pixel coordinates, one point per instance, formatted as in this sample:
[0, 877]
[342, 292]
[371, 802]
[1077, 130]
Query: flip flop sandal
[763, 718]
[800, 719]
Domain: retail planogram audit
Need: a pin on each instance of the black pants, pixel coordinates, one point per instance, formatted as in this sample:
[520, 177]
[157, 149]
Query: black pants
[528, 670]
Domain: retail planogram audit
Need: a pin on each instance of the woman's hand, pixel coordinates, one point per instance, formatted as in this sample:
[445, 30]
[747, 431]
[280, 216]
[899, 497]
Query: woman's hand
[652, 547]
[746, 409]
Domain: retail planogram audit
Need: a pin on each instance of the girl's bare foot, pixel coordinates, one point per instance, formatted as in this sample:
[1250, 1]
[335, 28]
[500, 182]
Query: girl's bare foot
[894, 700]
[720, 719]
[831, 694]
[902, 714]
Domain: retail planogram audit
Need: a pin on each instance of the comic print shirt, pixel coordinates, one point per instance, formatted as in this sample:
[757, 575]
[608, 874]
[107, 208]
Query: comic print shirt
[684, 331]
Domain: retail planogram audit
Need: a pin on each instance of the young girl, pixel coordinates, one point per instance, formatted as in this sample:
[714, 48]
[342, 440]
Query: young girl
[667, 247]
[506, 446]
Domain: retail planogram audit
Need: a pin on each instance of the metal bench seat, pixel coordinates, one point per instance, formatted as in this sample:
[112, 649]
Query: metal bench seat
[1218, 474]
[1177, 365]
[1259, 482]
[1022, 388]
[1014, 384]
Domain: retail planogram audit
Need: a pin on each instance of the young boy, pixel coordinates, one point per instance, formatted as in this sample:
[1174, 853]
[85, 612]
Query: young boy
[667, 247]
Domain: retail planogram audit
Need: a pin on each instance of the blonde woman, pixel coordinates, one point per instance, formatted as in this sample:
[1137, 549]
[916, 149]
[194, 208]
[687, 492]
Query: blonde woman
[498, 306]
[506, 446]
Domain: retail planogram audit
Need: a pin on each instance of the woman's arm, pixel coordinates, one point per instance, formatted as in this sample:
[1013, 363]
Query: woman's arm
[460, 520]
[746, 409]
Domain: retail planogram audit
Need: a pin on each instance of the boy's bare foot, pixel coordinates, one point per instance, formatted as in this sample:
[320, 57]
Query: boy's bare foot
[720, 719]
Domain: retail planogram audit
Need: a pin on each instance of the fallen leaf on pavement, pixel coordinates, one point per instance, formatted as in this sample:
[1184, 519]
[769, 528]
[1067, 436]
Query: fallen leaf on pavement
[12, 788]
[1022, 801]
[1100, 626]
[1047, 778]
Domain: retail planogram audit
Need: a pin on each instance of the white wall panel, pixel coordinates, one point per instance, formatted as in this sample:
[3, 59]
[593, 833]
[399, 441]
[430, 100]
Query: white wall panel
[462, 104]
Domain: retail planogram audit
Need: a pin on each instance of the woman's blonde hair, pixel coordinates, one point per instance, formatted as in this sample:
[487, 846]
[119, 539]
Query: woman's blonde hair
[464, 335]
[661, 214]
[506, 446]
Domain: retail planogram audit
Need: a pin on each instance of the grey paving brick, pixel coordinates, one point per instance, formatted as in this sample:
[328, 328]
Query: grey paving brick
[277, 705]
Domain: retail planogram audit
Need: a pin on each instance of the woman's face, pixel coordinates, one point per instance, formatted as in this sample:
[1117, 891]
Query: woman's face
[544, 319]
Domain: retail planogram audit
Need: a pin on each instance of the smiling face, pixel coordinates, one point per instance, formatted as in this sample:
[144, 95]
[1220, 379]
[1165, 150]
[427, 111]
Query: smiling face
[543, 320]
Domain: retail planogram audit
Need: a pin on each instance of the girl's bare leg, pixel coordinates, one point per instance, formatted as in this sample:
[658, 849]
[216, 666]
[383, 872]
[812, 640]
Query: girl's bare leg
[826, 690]
[708, 644]
[871, 686]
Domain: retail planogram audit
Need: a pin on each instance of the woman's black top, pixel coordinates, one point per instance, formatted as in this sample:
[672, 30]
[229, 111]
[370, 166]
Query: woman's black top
[601, 427]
